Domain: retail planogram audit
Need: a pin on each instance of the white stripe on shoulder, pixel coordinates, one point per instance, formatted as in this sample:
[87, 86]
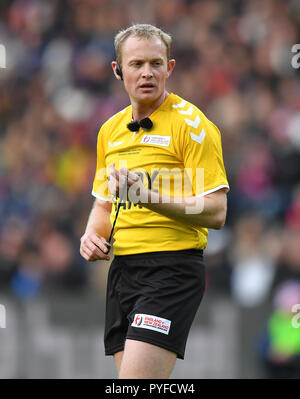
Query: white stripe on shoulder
[199, 138]
[194, 123]
[180, 105]
[188, 112]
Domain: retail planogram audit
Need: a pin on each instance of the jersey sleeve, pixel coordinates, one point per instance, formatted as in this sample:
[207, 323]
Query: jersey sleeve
[100, 185]
[203, 157]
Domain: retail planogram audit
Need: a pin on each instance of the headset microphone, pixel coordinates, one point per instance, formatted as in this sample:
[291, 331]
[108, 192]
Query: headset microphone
[119, 71]
[145, 124]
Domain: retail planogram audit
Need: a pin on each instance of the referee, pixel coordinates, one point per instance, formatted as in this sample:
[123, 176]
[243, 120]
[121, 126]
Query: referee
[160, 166]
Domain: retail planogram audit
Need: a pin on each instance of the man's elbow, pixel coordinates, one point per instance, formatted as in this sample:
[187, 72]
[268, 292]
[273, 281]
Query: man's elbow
[219, 220]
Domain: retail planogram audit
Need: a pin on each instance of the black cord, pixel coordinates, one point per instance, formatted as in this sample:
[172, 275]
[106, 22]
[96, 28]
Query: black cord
[108, 244]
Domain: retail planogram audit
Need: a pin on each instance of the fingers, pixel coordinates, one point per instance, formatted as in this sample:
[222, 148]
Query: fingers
[92, 247]
[120, 181]
[113, 171]
[88, 255]
[104, 244]
[115, 182]
[132, 178]
[123, 174]
[96, 246]
[129, 177]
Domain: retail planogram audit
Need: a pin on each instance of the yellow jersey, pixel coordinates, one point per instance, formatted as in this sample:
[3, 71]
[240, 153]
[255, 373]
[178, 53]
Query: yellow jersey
[180, 156]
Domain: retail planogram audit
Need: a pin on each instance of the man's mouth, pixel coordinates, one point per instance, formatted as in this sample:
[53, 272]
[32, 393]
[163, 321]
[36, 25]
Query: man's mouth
[147, 86]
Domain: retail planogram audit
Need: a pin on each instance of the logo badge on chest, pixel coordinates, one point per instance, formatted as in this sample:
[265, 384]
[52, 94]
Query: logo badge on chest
[155, 139]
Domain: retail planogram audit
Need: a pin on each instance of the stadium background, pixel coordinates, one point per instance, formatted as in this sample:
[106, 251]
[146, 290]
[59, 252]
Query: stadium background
[234, 63]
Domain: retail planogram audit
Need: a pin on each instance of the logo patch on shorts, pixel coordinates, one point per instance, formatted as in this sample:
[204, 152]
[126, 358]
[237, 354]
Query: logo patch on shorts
[151, 322]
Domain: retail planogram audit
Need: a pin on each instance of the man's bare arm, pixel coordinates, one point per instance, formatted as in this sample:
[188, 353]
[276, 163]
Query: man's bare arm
[97, 231]
[208, 211]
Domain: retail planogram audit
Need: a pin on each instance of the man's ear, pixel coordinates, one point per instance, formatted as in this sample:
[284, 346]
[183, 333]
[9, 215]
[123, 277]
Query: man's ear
[117, 70]
[171, 66]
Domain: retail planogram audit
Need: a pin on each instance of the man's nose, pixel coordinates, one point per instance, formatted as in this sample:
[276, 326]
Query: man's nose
[147, 71]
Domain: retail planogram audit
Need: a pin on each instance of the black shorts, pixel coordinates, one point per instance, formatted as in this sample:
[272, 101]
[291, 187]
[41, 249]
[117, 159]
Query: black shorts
[153, 297]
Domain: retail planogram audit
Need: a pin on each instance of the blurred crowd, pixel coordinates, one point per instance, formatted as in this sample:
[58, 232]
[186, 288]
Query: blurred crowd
[233, 62]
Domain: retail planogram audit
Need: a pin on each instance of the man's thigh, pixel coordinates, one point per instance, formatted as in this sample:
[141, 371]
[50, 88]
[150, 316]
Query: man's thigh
[144, 360]
[118, 356]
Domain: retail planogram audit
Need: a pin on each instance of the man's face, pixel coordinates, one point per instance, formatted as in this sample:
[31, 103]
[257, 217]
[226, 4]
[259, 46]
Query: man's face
[145, 69]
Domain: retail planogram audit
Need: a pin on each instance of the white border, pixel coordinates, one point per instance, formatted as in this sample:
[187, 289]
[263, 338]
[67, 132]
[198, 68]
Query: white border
[106, 199]
[2, 316]
[2, 56]
[213, 190]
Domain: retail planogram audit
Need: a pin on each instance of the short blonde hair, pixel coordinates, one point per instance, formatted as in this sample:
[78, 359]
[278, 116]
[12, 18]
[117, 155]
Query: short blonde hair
[144, 31]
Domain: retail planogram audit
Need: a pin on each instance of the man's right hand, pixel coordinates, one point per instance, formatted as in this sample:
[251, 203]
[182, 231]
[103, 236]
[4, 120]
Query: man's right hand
[93, 247]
